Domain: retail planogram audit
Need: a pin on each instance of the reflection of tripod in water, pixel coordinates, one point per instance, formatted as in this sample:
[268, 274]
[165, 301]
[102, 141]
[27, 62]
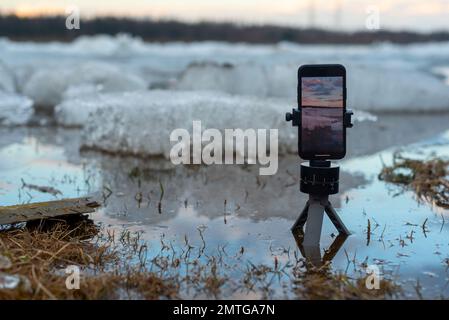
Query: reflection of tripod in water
[319, 179]
[313, 253]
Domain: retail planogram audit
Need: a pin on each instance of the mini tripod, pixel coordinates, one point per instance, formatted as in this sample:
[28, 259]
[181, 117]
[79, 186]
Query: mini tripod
[319, 179]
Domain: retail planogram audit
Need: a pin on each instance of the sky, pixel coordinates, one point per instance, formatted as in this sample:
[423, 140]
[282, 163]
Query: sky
[416, 15]
[322, 92]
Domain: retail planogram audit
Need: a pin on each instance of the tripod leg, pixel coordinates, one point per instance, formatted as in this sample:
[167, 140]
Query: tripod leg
[301, 219]
[330, 253]
[313, 255]
[338, 223]
[314, 223]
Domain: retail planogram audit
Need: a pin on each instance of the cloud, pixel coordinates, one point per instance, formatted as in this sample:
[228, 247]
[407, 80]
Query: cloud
[322, 91]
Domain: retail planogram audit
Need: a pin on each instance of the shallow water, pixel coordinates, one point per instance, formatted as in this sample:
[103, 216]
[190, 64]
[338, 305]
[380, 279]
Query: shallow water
[230, 207]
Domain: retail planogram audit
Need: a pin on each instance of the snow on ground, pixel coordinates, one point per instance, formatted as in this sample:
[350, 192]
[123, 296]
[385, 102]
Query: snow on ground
[47, 87]
[15, 109]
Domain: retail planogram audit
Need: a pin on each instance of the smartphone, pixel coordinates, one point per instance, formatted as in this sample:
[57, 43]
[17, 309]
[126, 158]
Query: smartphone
[322, 102]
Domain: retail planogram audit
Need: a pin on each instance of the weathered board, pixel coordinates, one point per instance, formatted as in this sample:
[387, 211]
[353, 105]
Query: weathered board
[45, 210]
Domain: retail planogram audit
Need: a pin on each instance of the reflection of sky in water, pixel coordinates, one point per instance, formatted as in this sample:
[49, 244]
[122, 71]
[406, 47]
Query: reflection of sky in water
[42, 165]
[396, 218]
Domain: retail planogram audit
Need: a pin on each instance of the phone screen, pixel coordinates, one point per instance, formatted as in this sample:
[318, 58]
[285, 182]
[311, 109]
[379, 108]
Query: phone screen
[322, 109]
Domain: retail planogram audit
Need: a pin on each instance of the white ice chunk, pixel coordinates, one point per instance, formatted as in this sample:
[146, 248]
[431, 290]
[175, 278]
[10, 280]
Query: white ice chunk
[243, 79]
[23, 73]
[374, 88]
[7, 82]
[81, 91]
[121, 44]
[13, 281]
[370, 87]
[78, 103]
[15, 109]
[46, 87]
[8, 281]
[141, 122]
[361, 116]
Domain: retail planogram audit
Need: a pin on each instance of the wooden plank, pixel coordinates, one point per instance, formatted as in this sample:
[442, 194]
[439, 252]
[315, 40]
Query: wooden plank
[44, 210]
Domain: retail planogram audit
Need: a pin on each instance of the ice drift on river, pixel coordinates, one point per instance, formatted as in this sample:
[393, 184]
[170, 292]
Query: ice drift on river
[381, 77]
[370, 87]
[141, 122]
[15, 109]
[46, 87]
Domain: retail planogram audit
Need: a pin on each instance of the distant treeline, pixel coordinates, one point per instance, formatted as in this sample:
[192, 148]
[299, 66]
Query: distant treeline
[53, 28]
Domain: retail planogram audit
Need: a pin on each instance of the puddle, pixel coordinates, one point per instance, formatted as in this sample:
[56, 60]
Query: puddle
[230, 210]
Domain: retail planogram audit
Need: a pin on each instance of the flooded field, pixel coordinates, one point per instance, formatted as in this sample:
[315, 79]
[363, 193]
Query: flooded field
[242, 220]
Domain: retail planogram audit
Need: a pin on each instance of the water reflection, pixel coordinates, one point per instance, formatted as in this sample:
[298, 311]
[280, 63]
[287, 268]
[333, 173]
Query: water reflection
[235, 209]
[312, 254]
[43, 157]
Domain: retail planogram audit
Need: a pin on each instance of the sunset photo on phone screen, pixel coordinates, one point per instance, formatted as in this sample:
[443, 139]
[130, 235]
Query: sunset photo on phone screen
[322, 115]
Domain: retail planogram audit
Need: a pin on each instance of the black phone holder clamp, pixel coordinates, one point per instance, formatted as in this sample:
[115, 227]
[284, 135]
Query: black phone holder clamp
[294, 117]
[319, 179]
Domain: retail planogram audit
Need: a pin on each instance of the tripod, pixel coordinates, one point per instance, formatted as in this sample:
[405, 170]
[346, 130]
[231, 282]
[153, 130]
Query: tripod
[319, 179]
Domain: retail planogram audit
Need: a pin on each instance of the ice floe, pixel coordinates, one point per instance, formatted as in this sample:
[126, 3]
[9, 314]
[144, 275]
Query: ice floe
[141, 122]
[371, 88]
[15, 109]
[7, 82]
[245, 79]
[46, 87]
[80, 101]
[381, 77]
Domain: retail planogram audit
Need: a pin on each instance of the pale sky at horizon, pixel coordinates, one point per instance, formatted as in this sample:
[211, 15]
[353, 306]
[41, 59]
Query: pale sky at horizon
[419, 15]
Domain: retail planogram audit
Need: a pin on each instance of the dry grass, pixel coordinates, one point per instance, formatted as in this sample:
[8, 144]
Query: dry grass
[115, 267]
[39, 253]
[326, 285]
[317, 283]
[429, 179]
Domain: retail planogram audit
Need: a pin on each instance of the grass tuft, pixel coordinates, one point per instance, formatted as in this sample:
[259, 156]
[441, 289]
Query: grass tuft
[429, 179]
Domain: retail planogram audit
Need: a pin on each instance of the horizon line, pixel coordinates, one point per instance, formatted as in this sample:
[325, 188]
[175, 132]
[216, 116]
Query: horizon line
[150, 18]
